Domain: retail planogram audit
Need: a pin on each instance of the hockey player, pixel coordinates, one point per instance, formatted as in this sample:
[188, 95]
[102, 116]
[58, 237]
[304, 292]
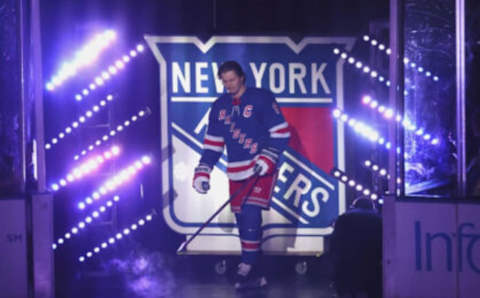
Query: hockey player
[249, 123]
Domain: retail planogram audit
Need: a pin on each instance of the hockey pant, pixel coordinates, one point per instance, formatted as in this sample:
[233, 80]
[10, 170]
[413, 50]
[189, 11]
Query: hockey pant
[259, 194]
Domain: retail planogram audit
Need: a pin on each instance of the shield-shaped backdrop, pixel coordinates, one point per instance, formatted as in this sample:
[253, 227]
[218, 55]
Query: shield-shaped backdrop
[307, 79]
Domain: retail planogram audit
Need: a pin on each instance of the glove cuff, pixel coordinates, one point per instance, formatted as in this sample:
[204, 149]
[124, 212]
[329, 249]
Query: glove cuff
[203, 167]
[271, 154]
[267, 161]
[202, 170]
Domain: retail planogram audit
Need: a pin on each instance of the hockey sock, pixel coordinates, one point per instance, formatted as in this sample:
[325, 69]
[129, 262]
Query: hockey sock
[249, 222]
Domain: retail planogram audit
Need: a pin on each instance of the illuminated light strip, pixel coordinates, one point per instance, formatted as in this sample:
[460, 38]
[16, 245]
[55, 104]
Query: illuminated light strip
[84, 57]
[117, 237]
[361, 128]
[406, 61]
[83, 224]
[342, 177]
[86, 168]
[389, 114]
[360, 65]
[377, 170]
[113, 132]
[113, 183]
[81, 119]
[111, 70]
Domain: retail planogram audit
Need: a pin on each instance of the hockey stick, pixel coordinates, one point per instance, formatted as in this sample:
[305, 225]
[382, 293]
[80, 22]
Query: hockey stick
[183, 247]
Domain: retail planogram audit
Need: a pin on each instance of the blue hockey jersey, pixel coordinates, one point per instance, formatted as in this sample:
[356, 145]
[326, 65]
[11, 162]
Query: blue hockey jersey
[248, 127]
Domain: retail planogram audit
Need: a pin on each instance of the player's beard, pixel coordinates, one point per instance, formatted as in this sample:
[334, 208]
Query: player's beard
[236, 90]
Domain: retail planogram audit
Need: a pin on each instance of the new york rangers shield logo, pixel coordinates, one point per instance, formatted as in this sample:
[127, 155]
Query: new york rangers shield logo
[306, 78]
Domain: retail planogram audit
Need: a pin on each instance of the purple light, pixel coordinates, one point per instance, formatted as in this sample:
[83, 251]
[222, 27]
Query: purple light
[83, 57]
[117, 237]
[85, 168]
[336, 113]
[116, 181]
[377, 170]
[75, 124]
[119, 64]
[87, 220]
[361, 66]
[146, 160]
[389, 113]
[359, 127]
[105, 75]
[106, 137]
[406, 61]
[112, 70]
[342, 177]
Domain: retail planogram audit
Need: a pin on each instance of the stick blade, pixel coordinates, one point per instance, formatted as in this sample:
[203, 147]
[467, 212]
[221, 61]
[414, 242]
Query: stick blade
[182, 248]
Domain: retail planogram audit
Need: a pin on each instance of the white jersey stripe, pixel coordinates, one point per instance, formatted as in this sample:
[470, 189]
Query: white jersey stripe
[250, 241]
[214, 138]
[280, 135]
[279, 126]
[240, 175]
[213, 148]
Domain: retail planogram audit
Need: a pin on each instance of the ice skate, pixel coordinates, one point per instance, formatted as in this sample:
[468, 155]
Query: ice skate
[247, 279]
